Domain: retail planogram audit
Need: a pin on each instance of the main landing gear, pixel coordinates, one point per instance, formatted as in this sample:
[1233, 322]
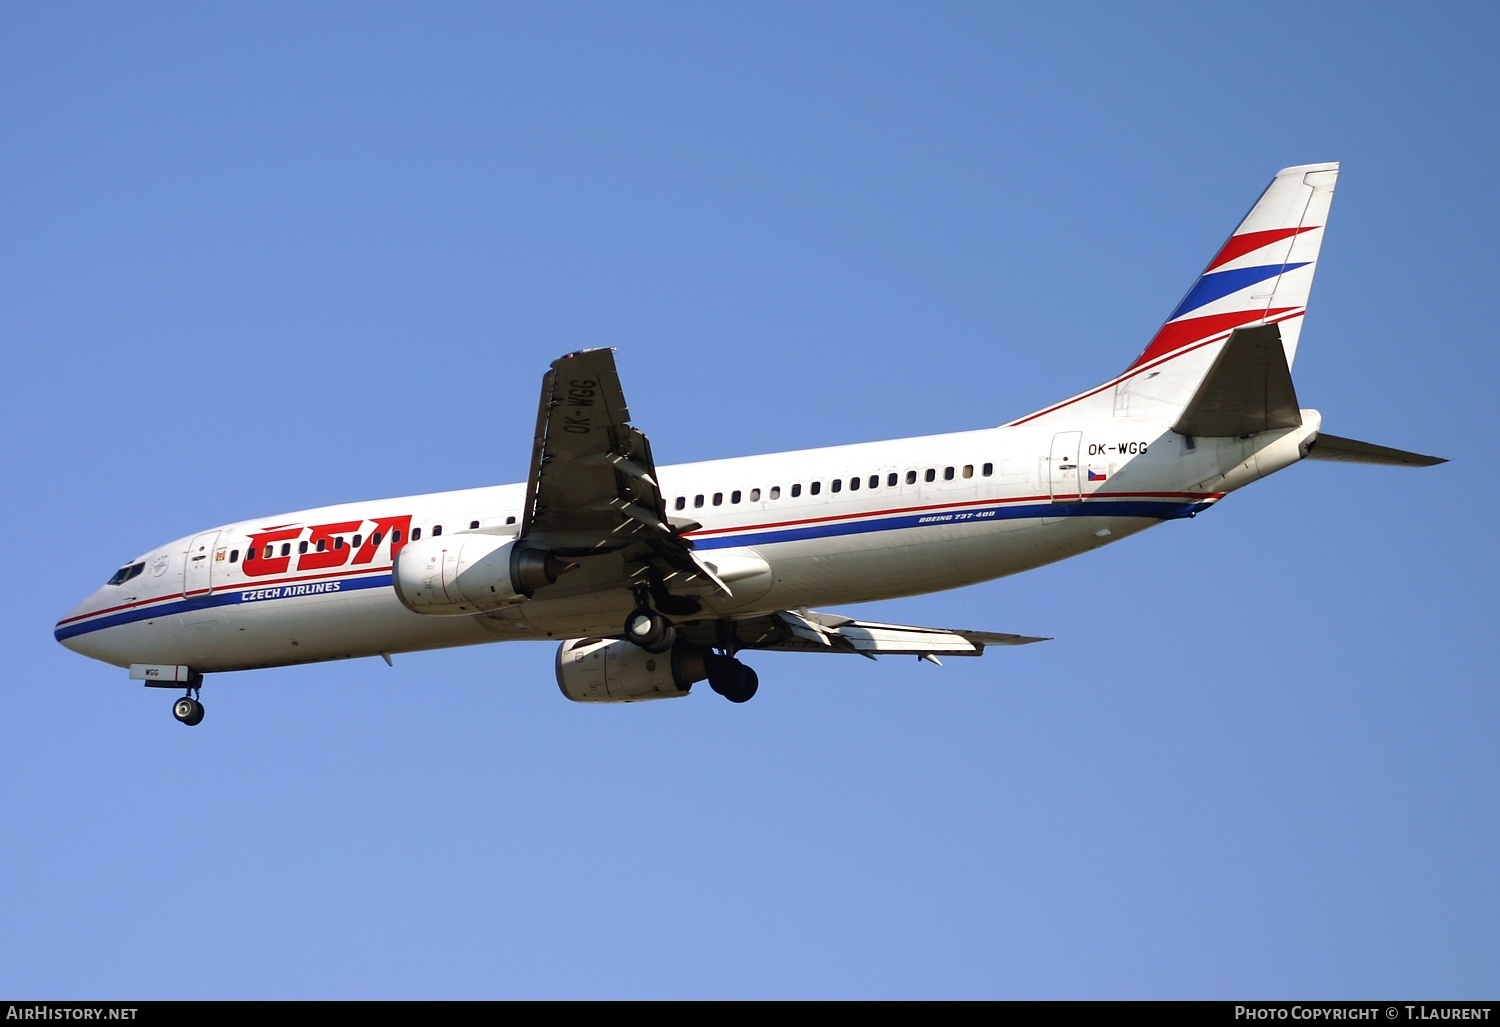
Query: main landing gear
[188, 709]
[649, 630]
[731, 678]
[654, 633]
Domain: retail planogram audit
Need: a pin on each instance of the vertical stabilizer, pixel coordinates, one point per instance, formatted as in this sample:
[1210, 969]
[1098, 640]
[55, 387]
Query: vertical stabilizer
[1263, 273]
[1261, 276]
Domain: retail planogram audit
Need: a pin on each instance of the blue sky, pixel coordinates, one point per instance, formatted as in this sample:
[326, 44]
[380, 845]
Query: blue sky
[264, 257]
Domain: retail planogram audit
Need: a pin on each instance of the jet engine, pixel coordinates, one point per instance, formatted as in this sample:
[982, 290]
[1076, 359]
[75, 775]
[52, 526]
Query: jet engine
[608, 670]
[467, 574]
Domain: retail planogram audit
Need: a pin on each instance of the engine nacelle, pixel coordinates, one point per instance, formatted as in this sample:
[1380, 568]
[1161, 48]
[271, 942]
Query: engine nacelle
[467, 574]
[607, 670]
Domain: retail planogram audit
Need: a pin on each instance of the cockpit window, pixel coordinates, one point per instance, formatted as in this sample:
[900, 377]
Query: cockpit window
[127, 572]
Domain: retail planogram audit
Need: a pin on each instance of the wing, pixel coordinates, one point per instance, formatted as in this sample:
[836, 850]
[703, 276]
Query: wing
[593, 491]
[592, 488]
[808, 631]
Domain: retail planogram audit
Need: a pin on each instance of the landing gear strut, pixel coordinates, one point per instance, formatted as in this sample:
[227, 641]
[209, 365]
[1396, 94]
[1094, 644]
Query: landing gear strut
[650, 630]
[188, 709]
[731, 678]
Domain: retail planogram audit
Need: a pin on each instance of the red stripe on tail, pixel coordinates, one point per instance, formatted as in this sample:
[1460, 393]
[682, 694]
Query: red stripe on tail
[1176, 334]
[1239, 245]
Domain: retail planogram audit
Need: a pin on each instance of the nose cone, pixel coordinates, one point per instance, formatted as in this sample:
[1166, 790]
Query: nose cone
[85, 630]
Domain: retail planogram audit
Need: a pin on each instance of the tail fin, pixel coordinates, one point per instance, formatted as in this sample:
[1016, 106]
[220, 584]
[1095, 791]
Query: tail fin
[1262, 275]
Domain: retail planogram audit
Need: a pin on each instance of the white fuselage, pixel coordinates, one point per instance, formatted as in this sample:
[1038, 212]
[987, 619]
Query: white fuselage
[785, 531]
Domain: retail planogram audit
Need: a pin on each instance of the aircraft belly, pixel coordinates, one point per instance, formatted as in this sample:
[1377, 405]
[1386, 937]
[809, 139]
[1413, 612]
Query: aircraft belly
[577, 616]
[928, 559]
[316, 628]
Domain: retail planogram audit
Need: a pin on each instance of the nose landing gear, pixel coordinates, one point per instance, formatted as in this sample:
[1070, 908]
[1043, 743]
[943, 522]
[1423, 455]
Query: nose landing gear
[188, 709]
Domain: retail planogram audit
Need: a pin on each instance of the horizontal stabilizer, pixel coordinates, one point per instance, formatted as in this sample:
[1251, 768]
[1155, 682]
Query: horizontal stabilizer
[1247, 390]
[1332, 447]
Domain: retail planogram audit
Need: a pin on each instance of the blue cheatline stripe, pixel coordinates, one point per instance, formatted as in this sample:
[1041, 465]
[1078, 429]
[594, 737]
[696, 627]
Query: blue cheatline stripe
[1221, 283]
[240, 595]
[1164, 510]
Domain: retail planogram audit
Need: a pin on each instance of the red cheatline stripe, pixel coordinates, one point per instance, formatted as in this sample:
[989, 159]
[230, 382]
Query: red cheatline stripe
[226, 588]
[1176, 334]
[770, 525]
[1135, 369]
[851, 517]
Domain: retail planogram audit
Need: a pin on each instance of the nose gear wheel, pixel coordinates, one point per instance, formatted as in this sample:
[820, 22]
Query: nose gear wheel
[188, 710]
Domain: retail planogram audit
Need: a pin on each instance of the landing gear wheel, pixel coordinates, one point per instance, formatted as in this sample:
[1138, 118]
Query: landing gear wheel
[745, 687]
[188, 710]
[650, 630]
[732, 679]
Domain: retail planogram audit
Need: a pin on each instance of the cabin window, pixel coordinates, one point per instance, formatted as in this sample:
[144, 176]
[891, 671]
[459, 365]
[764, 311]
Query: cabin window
[416, 533]
[775, 491]
[472, 526]
[680, 503]
[755, 495]
[697, 501]
[930, 475]
[270, 552]
[875, 481]
[911, 477]
[947, 474]
[395, 535]
[968, 470]
[302, 546]
[286, 549]
[338, 543]
[234, 556]
[355, 541]
[322, 544]
[854, 484]
[718, 499]
[512, 519]
[437, 529]
[249, 555]
[836, 485]
[987, 470]
[796, 490]
[375, 539]
[815, 487]
[734, 497]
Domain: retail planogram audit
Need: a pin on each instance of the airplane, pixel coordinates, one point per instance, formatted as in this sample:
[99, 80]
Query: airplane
[655, 578]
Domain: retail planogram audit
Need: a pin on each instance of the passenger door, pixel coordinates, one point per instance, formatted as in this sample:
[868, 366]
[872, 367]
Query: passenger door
[197, 568]
[1062, 467]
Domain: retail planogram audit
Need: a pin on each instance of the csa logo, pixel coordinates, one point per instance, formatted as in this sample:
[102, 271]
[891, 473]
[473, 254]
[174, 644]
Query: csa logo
[321, 546]
[160, 564]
